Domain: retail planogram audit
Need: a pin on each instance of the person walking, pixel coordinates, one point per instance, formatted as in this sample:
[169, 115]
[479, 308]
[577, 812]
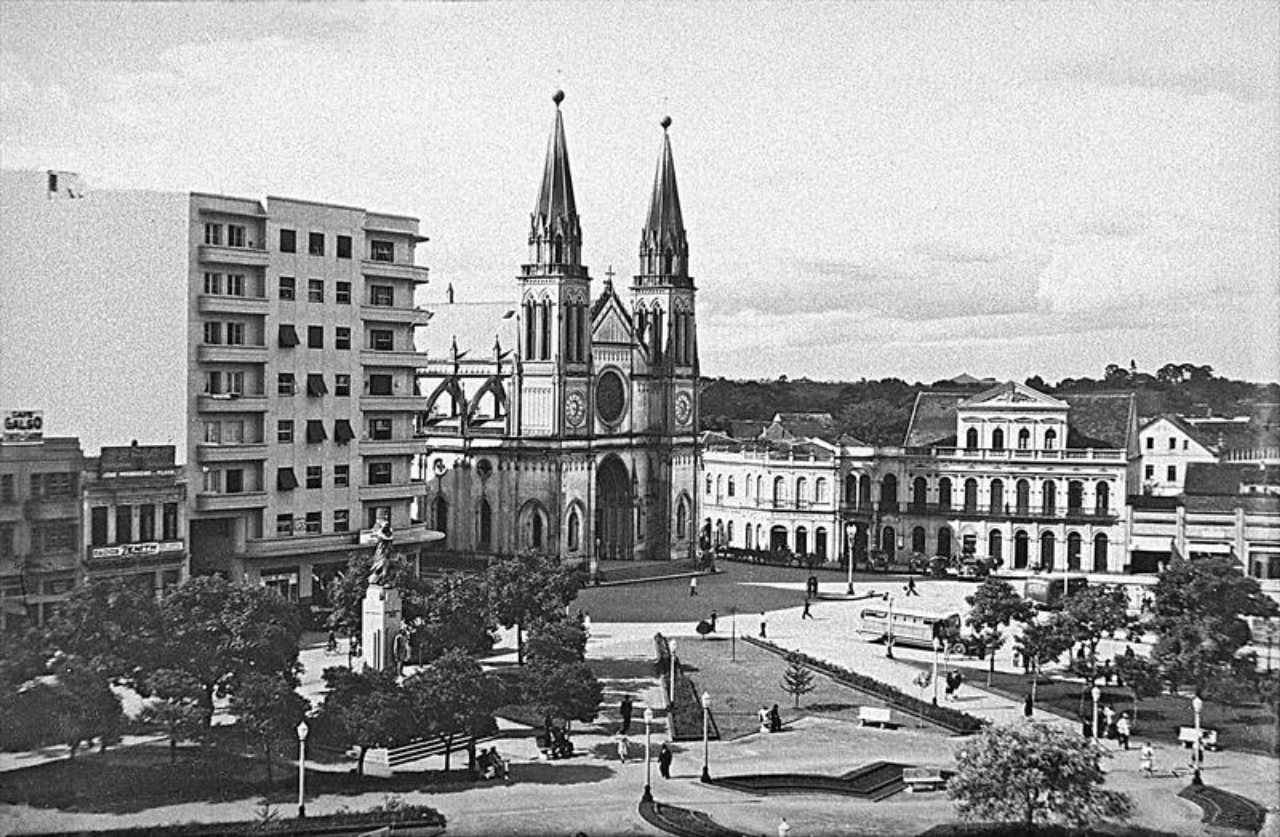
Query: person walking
[712, 620]
[764, 623]
[911, 586]
[1123, 729]
[764, 719]
[625, 709]
[693, 586]
[1028, 708]
[806, 614]
[783, 829]
[1148, 761]
[664, 761]
[586, 623]
[624, 747]
[775, 719]
[1108, 722]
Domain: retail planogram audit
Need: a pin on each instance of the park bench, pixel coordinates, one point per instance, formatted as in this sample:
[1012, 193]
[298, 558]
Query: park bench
[1208, 737]
[923, 779]
[879, 715]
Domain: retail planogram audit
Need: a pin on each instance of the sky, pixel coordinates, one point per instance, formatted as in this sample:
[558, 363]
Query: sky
[876, 189]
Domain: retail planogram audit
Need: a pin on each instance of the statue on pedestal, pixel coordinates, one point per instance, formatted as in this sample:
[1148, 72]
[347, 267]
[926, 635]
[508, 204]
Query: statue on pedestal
[380, 570]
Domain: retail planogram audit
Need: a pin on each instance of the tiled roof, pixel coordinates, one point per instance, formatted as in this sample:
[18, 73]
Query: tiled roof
[933, 418]
[1100, 419]
[473, 324]
[746, 428]
[1211, 478]
[802, 426]
[1200, 438]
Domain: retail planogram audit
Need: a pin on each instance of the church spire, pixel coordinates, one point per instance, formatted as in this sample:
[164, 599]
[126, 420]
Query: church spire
[664, 250]
[555, 238]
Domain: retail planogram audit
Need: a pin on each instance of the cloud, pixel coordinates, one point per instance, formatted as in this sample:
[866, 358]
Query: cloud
[1246, 84]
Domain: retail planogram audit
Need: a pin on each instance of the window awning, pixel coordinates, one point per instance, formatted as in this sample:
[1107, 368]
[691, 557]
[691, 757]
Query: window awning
[285, 479]
[315, 431]
[315, 385]
[342, 432]
[288, 337]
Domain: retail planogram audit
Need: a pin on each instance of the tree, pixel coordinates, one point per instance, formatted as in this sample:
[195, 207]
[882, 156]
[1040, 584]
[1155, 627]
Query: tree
[1093, 613]
[1044, 642]
[453, 698]
[110, 625]
[1033, 772]
[346, 590]
[559, 641]
[268, 710]
[1116, 375]
[562, 690]
[530, 588]
[797, 680]
[176, 706]
[995, 604]
[454, 614]
[80, 705]
[367, 709]
[1141, 676]
[218, 633]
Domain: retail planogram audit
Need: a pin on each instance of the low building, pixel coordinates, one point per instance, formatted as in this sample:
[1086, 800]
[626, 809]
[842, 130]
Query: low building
[1167, 445]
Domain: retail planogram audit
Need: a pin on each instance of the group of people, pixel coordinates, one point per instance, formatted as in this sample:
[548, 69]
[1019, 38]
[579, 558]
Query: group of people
[953, 680]
[1116, 727]
[770, 719]
[491, 765]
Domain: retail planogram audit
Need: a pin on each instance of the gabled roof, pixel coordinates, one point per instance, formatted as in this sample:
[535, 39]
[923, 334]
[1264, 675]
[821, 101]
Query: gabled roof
[1102, 420]
[746, 428]
[933, 418]
[607, 305]
[802, 426]
[474, 325]
[1189, 430]
[1012, 392]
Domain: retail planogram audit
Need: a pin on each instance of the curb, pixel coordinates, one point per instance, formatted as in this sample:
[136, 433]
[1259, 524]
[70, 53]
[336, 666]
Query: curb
[627, 581]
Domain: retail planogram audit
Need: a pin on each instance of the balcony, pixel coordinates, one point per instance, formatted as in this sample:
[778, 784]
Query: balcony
[1018, 455]
[246, 451]
[392, 403]
[389, 314]
[221, 353]
[395, 270]
[221, 254]
[392, 447]
[394, 491]
[229, 403]
[1025, 514]
[207, 502]
[219, 304]
[413, 360]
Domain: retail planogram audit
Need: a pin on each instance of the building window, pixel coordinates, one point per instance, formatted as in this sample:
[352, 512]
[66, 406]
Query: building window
[1149, 472]
[288, 287]
[6, 543]
[147, 523]
[315, 290]
[379, 473]
[341, 476]
[53, 538]
[213, 432]
[342, 385]
[284, 431]
[6, 488]
[288, 241]
[315, 431]
[284, 525]
[1024, 439]
[235, 334]
[284, 383]
[315, 337]
[342, 337]
[341, 517]
[380, 429]
[732, 486]
[1173, 473]
[288, 336]
[235, 481]
[124, 524]
[213, 481]
[98, 526]
[169, 521]
[382, 340]
[315, 385]
[235, 235]
[1050, 439]
[382, 251]
[971, 439]
[342, 431]
[997, 439]
[344, 246]
[313, 523]
[382, 295]
[1151, 442]
[377, 513]
[315, 476]
[380, 385]
[212, 333]
[1173, 443]
[213, 283]
[342, 293]
[315, 244]
[213, 234]
[233, 431]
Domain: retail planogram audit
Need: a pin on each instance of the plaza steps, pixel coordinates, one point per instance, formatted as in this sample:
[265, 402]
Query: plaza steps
[399, 757]
[874, 782]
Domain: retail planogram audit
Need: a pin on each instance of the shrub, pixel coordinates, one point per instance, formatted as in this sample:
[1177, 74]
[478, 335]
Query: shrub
[686, 713]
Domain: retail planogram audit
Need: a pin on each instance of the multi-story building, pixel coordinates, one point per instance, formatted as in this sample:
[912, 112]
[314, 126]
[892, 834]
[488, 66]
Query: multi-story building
[135, 517]
[39, 526]
[1167, 445]
[269, 342]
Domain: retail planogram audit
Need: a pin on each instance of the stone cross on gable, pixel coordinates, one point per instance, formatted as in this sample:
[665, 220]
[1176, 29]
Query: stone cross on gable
[610, 274]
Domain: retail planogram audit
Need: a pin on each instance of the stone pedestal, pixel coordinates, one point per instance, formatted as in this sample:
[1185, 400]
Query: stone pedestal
[379, 626]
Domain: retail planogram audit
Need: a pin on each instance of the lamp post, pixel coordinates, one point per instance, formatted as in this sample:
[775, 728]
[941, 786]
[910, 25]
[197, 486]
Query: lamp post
[302, 768]
[648, 791]
[706, 747]
[1197, 753]
[937, 646]
[671, 696]
[888, 635]
[1096, 694]
[850, 534]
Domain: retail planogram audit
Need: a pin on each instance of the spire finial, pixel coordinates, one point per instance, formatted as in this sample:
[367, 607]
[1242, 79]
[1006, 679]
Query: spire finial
[666, 122]
[557, 97]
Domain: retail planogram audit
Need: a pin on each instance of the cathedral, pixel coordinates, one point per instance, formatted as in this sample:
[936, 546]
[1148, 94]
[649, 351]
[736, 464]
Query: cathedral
[565, 421]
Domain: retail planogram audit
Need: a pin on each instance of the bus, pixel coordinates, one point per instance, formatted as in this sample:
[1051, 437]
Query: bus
[1046, 593]
[910, 627]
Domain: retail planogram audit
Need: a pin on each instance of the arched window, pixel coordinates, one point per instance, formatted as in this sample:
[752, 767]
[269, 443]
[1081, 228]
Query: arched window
[889, 493]
[864, 491]
[1102, 498]
[997, 439]
[851, 489]
[708, 485]
[440, 515]
[995, 547]
[557, 250]
[802, 540]
[544, 330]
[919, 493]
[1023, 498]
[731, 486]
[1100, 552]
[574, 533]
[759, 487]
[802, 488]
[1048, 546]
[778, 538]
[536, 539]
[728, 534]
[997, 496]
[1073, 550]
[944, 494]
[777, 489]
[944, 540]
[486, 524]
[1075, 496]
[971, 495]
[971, 439]
[887, 536]
[682, 518]
[749, 532]
[667, 258]
[746, 485]
[719, 486]
[1024, 439]
[820, 542]
[1049, 498]
[1021, 549]
[820, 490]
[1050, 439]
[918, 540]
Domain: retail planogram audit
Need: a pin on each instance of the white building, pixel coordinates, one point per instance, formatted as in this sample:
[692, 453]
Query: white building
[1166, 446]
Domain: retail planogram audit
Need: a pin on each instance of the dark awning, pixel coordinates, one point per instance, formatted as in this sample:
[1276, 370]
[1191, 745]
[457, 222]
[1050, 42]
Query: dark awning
[342, 432]
[288, 337]
[315, 385]
[315, 431]
[285, 479]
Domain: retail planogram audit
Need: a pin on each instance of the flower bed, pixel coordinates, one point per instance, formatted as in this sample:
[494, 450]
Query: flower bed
[396, 817]
[682, 822]
[944, 716]
[685, 713]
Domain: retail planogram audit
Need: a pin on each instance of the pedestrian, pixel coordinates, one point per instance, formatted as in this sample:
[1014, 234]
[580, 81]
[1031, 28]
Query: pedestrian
[763, 625]
[586, 623]
[911, 586]
[624, 746]
[693, 586]
[664, 761]
[1128, 651]
[1148, 762]
[775, 719]
[764, 719]
[1123, 729]
[806, 614]
[951, 685]
[783, 828]
[1108, 722]
[625, 708]
[331, 647]
[1028, 708]
[812, 586]
[1108, 673]
[713, 621]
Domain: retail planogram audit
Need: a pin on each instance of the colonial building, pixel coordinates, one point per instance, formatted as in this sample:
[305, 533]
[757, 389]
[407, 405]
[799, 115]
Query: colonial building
[560, 420]
[1167, 445]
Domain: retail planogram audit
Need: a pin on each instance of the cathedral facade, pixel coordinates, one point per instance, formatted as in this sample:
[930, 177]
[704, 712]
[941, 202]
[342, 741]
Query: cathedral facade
[564, 421]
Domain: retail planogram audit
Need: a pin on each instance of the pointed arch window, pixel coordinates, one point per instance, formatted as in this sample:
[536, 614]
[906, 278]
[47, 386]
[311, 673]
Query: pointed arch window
[575, 533]
[536, 533]
[668, 259]
[545, 322]
[682, 519]
[486, 524]
[440, 515]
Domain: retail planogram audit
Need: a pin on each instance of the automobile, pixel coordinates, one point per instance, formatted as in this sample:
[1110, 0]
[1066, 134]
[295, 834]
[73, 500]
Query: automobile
[1047, 593]
[878, 561]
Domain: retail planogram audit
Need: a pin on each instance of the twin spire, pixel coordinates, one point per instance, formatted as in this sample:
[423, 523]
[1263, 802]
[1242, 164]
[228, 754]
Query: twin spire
[555, 236]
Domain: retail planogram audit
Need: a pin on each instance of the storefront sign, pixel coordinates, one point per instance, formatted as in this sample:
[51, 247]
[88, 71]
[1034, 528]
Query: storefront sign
[23, 425]
[133, 549]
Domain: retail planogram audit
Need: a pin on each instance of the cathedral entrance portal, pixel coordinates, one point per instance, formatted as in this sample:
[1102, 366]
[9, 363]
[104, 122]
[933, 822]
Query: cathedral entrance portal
[614, 511]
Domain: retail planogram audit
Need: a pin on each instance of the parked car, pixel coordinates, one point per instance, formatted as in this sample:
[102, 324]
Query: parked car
[1047, 593]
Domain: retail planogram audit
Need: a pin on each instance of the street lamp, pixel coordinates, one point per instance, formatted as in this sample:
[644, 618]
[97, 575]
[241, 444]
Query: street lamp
[706, 747]
[302, 770]
[888, 637]
[1096, 693]
[671, 697]
[937, 646]
[648, 792]
[1197, 752]
[850, 534]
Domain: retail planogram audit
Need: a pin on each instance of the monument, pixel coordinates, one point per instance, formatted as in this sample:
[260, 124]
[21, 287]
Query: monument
[381, 621]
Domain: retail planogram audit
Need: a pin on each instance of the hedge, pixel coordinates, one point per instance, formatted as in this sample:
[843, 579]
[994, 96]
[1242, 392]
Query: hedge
[393, 814]
[944, 716]
[685, 713]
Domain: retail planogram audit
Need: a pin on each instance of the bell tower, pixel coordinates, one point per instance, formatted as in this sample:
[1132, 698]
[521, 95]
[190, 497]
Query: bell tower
[554, 343]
